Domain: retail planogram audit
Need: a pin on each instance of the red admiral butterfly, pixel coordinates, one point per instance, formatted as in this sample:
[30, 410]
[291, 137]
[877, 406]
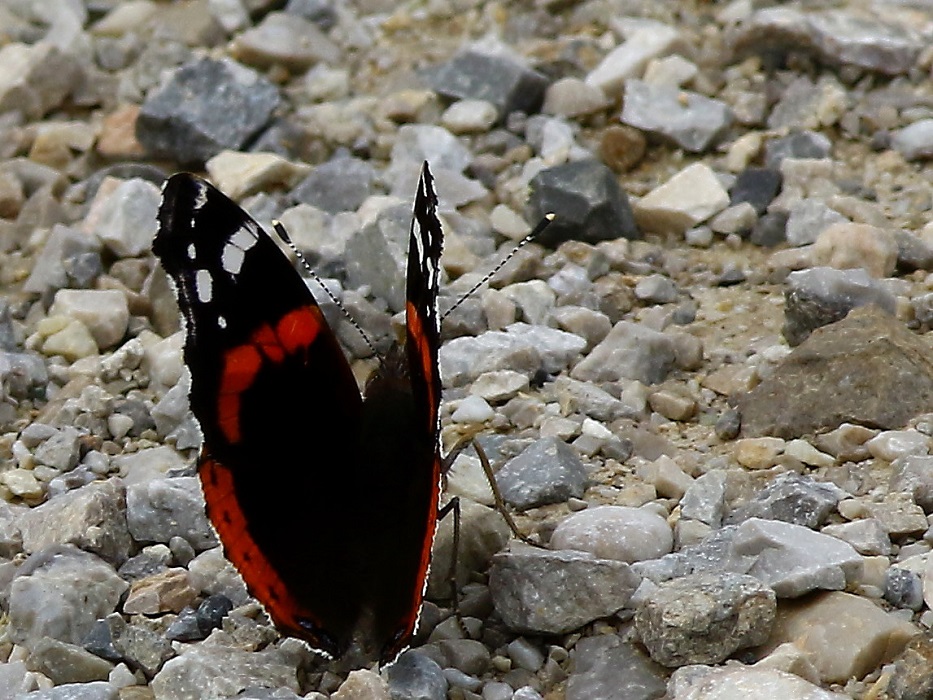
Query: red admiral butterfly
[325, 500]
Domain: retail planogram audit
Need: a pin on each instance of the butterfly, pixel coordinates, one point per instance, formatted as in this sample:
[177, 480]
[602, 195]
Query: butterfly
[325, 498]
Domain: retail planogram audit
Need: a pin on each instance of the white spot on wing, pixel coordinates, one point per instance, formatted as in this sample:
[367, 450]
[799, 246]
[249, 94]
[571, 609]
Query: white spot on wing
[232, 258]
[222, 321]
[244, 239]
[204, 285]
[192, 251]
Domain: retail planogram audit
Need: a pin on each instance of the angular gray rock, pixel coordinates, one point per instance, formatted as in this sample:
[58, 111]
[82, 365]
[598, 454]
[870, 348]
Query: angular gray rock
[705, 618]
[92, 518]
[544, 592]
[548, 471]
[822, 295]
[60, 592]
[204, 108]
[691, 120]
[160, 509]
[591, 206]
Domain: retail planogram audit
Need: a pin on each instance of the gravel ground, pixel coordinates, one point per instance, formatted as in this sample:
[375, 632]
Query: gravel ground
[707, 389]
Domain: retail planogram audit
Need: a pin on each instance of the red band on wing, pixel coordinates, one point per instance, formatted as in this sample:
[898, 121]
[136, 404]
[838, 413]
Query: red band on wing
[239, 547]
[428, 369]
[295, 331]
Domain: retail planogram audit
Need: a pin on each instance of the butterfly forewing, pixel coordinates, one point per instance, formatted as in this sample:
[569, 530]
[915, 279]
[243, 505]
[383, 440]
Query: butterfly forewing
[265, 368]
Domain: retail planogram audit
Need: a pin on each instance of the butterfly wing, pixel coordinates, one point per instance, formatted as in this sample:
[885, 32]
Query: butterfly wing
[269, 386]
[421, 348]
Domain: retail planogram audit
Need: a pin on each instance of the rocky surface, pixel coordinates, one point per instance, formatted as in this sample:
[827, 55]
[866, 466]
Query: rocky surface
[706, 388]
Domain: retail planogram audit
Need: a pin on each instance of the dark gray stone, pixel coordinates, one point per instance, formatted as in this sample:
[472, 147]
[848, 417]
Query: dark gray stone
[509, 85]
[207, 106]
[588, 203]
[822, 295]
[548, 471]
[770, 229]
[757, 186]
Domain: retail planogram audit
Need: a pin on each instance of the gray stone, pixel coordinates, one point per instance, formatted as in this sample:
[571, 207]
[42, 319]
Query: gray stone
[657, 289]
[629, 351]
[837, 37]
[160, 509]
[607, 667]
[645, 41]
[705, 499]
[499, 79]
[92, 518]
[738, 681]
[615, 532]
[284, 39]
[591, 205]
[218, 671]
[807, 219]
[812, 390]
[756, 186]
[61, 450]
[692, 121]
[543, 592]
[547, 471]
[913, 252]
[341, 184]
[793, 559]
[125, 221]
[59, 593]
[809, 105]
[55, 261]
[96, 690]
[520, 348]
[377, 255]
[915, 141]
[207, 106]
[903, 588]
[705, 618]
[139, 647]
[416, 676]
[867, 535]
[913, 474]
[792, 498]
[67, 663]
[797, 145]
[823, 295]
[35, 79]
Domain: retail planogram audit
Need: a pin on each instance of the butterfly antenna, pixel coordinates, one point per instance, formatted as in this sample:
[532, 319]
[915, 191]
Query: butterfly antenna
[543, 224]
[283, 234]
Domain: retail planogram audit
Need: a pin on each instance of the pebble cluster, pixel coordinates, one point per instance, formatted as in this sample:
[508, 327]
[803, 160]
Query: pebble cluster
[706, 389]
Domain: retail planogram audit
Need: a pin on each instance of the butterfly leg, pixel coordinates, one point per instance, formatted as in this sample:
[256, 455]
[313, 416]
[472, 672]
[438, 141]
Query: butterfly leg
[497, 495]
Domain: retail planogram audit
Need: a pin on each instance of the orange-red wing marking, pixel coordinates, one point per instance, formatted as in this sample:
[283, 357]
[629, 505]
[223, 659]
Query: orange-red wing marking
[239, 547]
[295, 331]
